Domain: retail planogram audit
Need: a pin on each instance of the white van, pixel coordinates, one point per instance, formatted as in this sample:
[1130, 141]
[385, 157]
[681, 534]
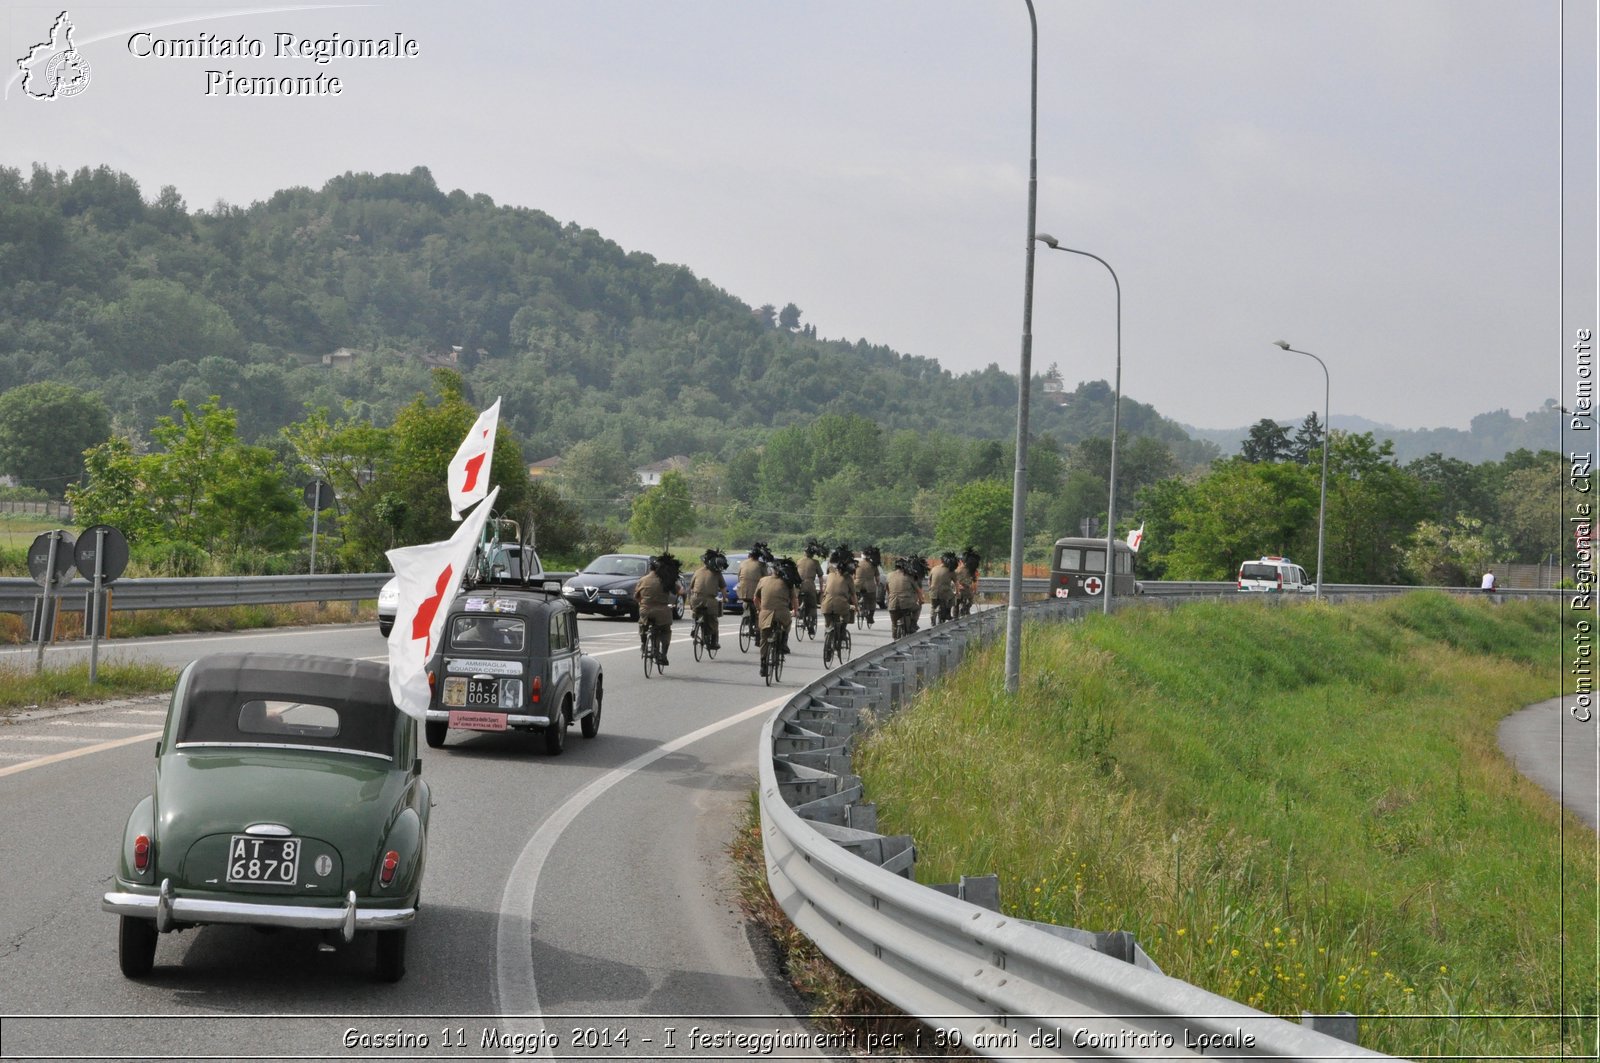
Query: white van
[1275, 575]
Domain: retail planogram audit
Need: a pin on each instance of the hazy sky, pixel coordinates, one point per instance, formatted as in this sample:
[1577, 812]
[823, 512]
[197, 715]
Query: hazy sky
[1379, 183]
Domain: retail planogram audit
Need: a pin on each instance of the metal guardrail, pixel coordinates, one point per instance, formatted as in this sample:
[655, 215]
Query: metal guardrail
[17, 595]
[1007, 987]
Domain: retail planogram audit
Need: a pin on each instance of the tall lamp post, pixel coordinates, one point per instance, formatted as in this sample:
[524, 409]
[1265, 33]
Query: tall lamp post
[1116, 419]
[1322, 509]
[1019, 485]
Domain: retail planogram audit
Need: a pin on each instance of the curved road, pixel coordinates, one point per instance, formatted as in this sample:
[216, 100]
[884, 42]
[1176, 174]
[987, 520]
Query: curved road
[567, 899]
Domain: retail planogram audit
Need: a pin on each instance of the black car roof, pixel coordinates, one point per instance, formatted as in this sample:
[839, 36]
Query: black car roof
[219, 684]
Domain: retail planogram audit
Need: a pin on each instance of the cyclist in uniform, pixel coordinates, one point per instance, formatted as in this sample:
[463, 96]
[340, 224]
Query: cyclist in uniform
[810, 570]
[654, 593]
[942, 588]
[838, 593]
[905, 595]
[967, 581]
[751, 569]
[705, 594]
[867, 581]
[775, 606]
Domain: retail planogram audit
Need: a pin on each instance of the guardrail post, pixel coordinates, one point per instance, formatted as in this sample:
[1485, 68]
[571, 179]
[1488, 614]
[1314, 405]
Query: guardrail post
[1340, 1024]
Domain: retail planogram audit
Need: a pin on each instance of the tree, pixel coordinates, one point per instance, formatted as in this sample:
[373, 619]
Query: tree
[1268, 441]
[1241, 510]
[1448, 554]
[44, 429]
[977, 514]
[1307, 444]
[663, 512]
[1373, 507]
[1530, 512]
[596, 475]
[789, 317]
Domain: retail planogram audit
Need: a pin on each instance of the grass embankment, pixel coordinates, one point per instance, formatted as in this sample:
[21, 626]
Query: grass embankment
[1300, 808]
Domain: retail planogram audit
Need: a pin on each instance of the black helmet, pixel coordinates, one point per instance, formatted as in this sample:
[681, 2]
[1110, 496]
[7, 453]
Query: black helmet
[906, 565]
[841, 556]
[949, 559]
[970, 559]
[873, 554]
[715, 560]
[814, 548]
[667, 567]
[786, 570]
[919, 568]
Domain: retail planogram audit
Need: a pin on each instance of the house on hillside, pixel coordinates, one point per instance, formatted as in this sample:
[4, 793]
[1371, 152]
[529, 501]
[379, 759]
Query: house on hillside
[545, 466]
[650, 475]
[342, 358]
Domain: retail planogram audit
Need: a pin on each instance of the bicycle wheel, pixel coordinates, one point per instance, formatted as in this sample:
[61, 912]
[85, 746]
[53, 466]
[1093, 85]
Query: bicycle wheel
[712, 637]
[827, 647]
[843, 652]
[747, 629]
[694, 637]
[646, 653]
[767, 665]
[775, 669]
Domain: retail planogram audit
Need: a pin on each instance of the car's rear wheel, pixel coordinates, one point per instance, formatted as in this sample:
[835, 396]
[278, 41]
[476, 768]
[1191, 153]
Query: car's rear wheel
[555, 735]
[391, 965]
[385, 624]
[591, 722]
[434, 731]
[136, 946]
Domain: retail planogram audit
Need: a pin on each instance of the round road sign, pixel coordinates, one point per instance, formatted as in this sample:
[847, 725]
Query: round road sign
[319, 494]
[39, 557]
[113, 554]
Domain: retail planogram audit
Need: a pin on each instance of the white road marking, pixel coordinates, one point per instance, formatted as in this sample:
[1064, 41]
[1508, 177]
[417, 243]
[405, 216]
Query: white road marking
[69, 754]
[516, 992]
[45, 738]
[96, 723]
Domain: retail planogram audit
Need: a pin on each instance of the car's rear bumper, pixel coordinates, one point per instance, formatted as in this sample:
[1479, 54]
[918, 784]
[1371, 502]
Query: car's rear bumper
[169, 910]
[513, 719]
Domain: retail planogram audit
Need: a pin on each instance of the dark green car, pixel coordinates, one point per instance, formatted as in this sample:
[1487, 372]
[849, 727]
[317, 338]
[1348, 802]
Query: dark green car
[288, 793]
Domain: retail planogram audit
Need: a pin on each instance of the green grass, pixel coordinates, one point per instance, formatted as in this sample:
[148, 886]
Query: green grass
[1301, 808]
[22, 688]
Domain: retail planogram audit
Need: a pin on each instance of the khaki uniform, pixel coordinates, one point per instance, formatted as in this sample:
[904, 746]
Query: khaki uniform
[942, 591]
[750, 573]
[655, 605]
[966, 587]
[904, 598]
[838, 597]
[810, 574]
[775, 604]
[867, 579]
[705, 599]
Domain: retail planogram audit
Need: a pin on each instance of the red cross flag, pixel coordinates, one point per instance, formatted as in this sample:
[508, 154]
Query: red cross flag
[469, 469]
[429, 576]
[1136, 537]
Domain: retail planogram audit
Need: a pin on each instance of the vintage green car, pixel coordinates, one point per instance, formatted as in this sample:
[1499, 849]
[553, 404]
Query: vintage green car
[288, 793]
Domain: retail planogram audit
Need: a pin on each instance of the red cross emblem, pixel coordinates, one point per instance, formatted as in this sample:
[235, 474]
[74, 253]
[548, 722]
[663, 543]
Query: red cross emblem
[1091, 585]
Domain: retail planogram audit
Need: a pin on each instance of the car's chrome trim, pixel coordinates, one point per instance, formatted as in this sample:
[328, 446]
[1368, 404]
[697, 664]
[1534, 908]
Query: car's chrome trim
[443, 716]
[282, 745]
[273, 830]
[170, 911]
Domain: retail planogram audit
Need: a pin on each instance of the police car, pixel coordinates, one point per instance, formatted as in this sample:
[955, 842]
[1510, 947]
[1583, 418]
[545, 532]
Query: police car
[1273, 575]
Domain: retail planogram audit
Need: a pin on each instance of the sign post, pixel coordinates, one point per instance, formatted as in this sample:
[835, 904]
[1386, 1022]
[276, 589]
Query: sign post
[316, 491]
[48, 560]
[101, 556]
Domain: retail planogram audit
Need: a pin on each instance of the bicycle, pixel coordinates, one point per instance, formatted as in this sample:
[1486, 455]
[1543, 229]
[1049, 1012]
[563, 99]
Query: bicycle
[808, 620]
[747, 628]
[652, 648]
[703, 636]
[772, 654]
[836, 643]
[864, 613]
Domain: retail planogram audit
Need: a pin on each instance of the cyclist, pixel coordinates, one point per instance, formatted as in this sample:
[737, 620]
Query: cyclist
[775, 606]
[751, 569]
[838, 593]
[905, 596]
[867, 581]
[967, 581]
[705, 594]
[810, 570]
[654, 592]
[942, 588]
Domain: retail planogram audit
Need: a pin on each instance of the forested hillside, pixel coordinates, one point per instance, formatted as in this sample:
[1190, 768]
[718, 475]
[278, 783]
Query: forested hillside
[145, 302]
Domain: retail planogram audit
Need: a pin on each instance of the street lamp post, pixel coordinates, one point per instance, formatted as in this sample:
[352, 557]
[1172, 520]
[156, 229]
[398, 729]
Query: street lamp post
[1322, 509]
[1019, 485]
[1116, 419]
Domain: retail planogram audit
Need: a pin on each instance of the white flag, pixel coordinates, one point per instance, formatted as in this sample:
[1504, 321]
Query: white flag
[428, 576]
[1136, 537]
[469, 469]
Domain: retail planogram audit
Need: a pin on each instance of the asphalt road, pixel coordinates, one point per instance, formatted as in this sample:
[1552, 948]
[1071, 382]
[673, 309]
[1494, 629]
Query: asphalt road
[1558, 751]
[583, 900]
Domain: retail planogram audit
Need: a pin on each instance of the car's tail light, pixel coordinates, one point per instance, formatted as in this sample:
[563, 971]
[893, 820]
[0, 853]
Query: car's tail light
[141, 853]
[430, 681]
[391, 860]
[535, 688]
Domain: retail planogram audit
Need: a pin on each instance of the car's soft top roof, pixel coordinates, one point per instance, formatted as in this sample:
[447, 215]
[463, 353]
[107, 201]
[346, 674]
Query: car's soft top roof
[220, 683]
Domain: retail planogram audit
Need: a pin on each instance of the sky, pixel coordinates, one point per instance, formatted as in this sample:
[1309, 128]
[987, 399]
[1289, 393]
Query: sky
[1405, 190]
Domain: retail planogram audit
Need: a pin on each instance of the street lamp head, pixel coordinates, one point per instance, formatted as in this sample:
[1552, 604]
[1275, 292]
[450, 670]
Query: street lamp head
[1282, 343]
[1047, 239]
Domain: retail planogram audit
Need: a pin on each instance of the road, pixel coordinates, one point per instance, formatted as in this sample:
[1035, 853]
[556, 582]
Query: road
[566, 897]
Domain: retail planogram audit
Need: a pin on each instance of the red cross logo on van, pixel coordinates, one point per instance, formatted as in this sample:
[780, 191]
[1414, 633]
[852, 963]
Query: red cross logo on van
[1091, 585]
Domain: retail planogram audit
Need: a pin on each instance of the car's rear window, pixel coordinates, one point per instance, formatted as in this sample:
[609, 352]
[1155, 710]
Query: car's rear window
[488, 632]
[1256, 570]
[303, 702]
